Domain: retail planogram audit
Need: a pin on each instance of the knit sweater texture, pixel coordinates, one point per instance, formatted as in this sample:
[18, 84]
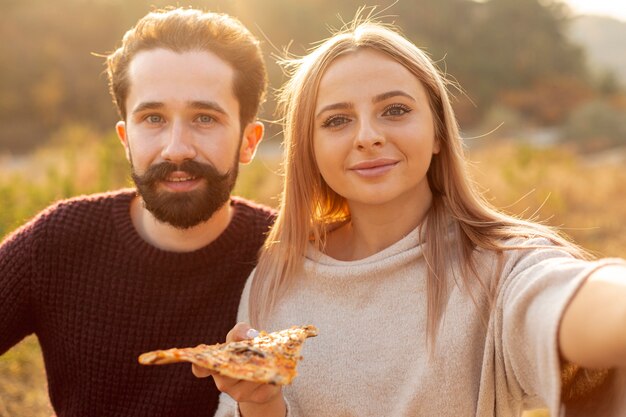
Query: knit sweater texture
[97, 295]
[371, 357]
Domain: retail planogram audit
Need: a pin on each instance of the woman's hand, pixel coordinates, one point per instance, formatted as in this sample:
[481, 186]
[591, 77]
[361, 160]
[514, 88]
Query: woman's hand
[254, 399]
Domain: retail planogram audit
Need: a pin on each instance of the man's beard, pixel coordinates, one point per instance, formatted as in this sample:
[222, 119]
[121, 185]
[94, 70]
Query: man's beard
[185, 209]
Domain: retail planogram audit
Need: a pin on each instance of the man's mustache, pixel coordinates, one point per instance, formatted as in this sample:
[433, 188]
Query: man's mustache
[162, 170]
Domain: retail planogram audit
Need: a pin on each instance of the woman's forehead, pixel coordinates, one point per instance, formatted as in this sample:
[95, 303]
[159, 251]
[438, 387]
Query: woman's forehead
[365, 72]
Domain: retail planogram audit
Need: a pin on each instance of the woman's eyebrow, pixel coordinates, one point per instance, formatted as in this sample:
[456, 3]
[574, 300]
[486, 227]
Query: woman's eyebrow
[375, 99]
[390, 94]
[336, 106]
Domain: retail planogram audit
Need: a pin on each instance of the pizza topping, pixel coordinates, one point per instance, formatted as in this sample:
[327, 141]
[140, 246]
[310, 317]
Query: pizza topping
[267, 358]
[245, 349]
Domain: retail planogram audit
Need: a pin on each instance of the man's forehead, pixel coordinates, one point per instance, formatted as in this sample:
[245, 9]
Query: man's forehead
[162, 75]
[155, 59]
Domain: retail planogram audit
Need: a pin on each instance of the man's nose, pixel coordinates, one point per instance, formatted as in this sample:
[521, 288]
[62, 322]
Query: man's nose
[179, 144]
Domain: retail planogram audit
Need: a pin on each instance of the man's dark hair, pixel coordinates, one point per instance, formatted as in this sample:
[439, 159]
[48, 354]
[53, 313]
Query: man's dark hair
[183, 30]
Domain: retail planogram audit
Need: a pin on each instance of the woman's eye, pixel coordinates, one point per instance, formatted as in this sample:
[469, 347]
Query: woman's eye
[396, 110]
[335, 121]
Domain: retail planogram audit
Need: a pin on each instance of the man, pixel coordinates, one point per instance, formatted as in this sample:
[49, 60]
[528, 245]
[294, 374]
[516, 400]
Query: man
[100, 279]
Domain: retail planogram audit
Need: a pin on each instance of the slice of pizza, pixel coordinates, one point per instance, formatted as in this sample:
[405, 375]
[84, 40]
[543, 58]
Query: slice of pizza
[268, 358]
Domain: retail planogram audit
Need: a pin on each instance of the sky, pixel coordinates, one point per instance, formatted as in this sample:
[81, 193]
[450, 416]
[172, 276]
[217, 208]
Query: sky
[611, 8]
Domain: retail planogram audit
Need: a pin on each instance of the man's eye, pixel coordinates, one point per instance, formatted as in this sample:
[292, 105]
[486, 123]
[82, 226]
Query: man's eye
[154, 118]
[396, 110]
[335, 121]
[205, 118]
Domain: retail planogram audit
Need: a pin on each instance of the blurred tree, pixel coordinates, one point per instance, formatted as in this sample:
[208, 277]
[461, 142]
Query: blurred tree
[596, 125]
[548, 100]
[607, 83]
[53, 78]
[521, 45]
[49, 76]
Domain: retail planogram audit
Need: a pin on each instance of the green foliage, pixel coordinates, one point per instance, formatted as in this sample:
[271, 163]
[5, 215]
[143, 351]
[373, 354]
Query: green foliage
[496, 45]
[54, 79]
[597, 124]
[76, 161]
[260, 181]
[23, 382]
[503, 121]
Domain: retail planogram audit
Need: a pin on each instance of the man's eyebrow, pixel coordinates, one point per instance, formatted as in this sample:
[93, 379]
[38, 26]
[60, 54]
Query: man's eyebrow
[148, 105]
[336, 106]
[207, 105]
[390, 94]
[198, 105]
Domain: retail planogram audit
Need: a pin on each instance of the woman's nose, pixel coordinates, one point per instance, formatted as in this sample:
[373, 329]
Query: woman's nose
[368, 135]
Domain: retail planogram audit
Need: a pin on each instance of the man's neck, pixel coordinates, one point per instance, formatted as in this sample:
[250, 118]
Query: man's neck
[167, 237]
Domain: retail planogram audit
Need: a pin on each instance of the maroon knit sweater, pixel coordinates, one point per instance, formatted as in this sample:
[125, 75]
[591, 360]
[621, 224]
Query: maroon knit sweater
[97, 295]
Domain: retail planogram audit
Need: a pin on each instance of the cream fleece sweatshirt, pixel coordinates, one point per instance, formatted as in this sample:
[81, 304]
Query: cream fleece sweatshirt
[371, 358]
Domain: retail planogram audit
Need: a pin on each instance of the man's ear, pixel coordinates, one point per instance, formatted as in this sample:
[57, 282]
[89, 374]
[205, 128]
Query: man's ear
[120, 128]
[252, 136]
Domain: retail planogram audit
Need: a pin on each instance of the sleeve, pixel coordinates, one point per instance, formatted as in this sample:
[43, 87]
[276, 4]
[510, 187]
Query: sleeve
[228, 407]
[16, 275]
[536, 286]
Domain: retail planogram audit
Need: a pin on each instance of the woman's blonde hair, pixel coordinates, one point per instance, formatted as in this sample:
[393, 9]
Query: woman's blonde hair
[308, 205]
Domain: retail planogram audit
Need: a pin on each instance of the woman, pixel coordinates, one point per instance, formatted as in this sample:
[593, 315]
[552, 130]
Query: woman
[428, 300]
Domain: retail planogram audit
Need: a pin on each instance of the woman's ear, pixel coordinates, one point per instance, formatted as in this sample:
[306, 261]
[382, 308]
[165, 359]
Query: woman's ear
[252, 136]
[436, 146]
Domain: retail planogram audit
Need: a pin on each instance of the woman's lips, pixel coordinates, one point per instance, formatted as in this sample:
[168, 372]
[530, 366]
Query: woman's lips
[374, 167]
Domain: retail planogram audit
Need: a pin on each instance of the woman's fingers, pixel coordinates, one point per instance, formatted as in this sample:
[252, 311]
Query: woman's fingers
[241, 391]
[225, 384]
[201, 372]
[246, 391]
[241, 331]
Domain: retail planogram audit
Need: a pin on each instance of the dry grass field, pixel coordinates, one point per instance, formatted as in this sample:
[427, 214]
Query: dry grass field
[584, 197]
[23, 390]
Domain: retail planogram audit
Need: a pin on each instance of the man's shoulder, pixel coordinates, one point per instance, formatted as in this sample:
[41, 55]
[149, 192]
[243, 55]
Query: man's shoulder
[253, 211]
[80, 210]
[73, 215]
[88, 203]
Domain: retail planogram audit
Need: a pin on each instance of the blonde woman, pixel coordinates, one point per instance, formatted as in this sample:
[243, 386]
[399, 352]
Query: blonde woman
[429, 301]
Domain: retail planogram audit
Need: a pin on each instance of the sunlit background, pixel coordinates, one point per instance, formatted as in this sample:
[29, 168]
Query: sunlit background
[608, 8]
[542, 105]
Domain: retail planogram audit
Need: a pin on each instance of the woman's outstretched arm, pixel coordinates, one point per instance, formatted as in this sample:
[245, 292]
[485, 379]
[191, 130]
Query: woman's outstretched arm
[593, 328]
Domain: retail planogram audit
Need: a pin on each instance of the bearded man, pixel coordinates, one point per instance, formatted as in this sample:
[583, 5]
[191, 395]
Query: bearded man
[102, 278]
